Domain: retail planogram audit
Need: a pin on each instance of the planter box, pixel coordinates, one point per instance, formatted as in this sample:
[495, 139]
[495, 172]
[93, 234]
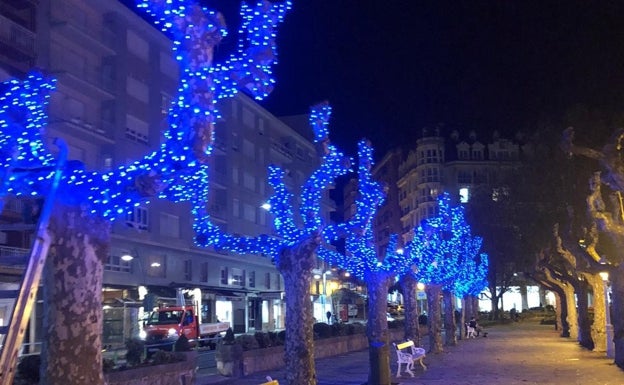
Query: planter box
[260, 360]
[167, 374]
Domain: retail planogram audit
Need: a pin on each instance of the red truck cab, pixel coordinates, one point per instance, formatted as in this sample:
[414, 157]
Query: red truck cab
[166, 324]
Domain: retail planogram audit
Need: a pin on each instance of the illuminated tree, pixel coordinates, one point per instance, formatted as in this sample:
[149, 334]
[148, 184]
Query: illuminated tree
[89, 200]
[439, 245]
[363, 262]
[295, 246]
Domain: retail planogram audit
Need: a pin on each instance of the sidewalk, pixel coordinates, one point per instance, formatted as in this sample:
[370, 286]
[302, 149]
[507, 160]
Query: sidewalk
[523, 353]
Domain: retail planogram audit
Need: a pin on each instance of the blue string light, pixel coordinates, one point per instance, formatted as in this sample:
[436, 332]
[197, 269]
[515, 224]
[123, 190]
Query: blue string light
[177, 170]
[280, 205]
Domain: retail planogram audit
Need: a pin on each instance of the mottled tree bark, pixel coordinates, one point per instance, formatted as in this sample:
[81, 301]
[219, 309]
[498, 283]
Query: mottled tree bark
[434, 319]
[597, 330]
[584, 325]
[412, 329]
[296, 265]
[617, 312]
[572, 313]
[449, 319]
[72, 345]
[377, 329]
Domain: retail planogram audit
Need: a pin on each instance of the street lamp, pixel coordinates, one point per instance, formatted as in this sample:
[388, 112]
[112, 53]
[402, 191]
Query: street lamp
[609, 327]
[323, 295]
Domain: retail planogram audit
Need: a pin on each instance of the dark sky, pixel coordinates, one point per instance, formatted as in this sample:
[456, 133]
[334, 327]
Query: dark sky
[390, 67]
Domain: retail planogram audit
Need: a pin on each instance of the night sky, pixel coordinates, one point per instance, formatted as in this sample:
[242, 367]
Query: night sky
[390, 67]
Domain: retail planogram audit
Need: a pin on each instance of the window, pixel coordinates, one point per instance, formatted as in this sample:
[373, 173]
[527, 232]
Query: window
[238, 277]
[249, 149]
[252, 279]
[235, 208]
[248, 117]
[137, 89]
[249, 181]
[267, 282]
[115, 263]
[169, 225]
[137, 45]
[188, 270]
[165, 103]
[224, 276]
[235, 174]
[464, 195]
[249, 212]
[136, 129]
[138, 218]
[168, 64]
[203, 272]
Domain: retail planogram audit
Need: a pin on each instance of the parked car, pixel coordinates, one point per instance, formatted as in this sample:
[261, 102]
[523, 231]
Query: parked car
[389, 317]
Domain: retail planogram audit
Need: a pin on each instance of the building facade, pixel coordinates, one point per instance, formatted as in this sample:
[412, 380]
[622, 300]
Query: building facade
[116, 79]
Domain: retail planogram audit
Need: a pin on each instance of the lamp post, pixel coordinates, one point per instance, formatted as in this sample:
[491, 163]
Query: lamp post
[323, 295]
[609, 327]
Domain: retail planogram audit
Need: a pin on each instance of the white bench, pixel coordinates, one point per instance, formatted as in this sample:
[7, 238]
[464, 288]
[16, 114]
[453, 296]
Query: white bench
[407, 353]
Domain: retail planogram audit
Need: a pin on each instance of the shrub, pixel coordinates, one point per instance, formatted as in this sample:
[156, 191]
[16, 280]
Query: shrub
[229, 338]
[358, 328]
[281, 336]
[182, 344]
[108, 364]
[163, 357]
[28, 368]
[134, 353]
[339, 329]
[247, 341]
[277, 339]
[322, 330]
[264, 340]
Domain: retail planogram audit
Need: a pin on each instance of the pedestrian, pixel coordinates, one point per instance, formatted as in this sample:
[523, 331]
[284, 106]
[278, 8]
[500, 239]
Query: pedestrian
[472, 327]
[328, 314]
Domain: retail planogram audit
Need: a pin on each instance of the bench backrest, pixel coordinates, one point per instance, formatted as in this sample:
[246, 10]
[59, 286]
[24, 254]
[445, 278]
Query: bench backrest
[403, 345]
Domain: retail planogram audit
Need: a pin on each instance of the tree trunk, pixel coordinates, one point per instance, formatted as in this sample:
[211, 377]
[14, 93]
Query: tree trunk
[494, 301]
[598, 329]
[584, 326]
[562, 311]
[449, 319]
[434, 319]
[377, 329]
[617, 312]
[412, 329]
[296, 265]
[525, 297]
[72, 325]
[571, 305]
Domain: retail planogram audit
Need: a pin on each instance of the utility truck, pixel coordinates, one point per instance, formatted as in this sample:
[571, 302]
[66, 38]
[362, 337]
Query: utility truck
[166, 324]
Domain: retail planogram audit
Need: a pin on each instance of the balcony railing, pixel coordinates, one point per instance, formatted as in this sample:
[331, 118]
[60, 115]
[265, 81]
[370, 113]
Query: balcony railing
[17, 36]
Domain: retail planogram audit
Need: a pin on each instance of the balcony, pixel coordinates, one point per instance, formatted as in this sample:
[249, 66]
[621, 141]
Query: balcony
[19, 41]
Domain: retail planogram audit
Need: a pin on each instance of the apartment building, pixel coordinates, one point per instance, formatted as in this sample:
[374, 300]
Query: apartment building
[116, 79]
[449, 162]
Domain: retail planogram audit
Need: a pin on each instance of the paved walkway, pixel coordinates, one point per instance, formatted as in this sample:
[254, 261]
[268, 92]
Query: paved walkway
[523, 353]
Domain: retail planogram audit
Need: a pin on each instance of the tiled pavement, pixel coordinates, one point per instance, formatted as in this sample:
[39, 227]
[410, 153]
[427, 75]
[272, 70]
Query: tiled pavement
[523, 353]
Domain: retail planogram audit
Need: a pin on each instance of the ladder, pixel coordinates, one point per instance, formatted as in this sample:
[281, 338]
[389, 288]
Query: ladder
[25, 296]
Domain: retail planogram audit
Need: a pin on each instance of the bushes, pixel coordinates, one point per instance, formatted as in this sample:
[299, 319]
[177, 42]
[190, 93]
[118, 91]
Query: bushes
[134, 353]
[322, 330]
[248, 341]
[28, 368]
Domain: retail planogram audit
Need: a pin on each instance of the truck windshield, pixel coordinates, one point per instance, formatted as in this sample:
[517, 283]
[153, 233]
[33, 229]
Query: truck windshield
[165, 317]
